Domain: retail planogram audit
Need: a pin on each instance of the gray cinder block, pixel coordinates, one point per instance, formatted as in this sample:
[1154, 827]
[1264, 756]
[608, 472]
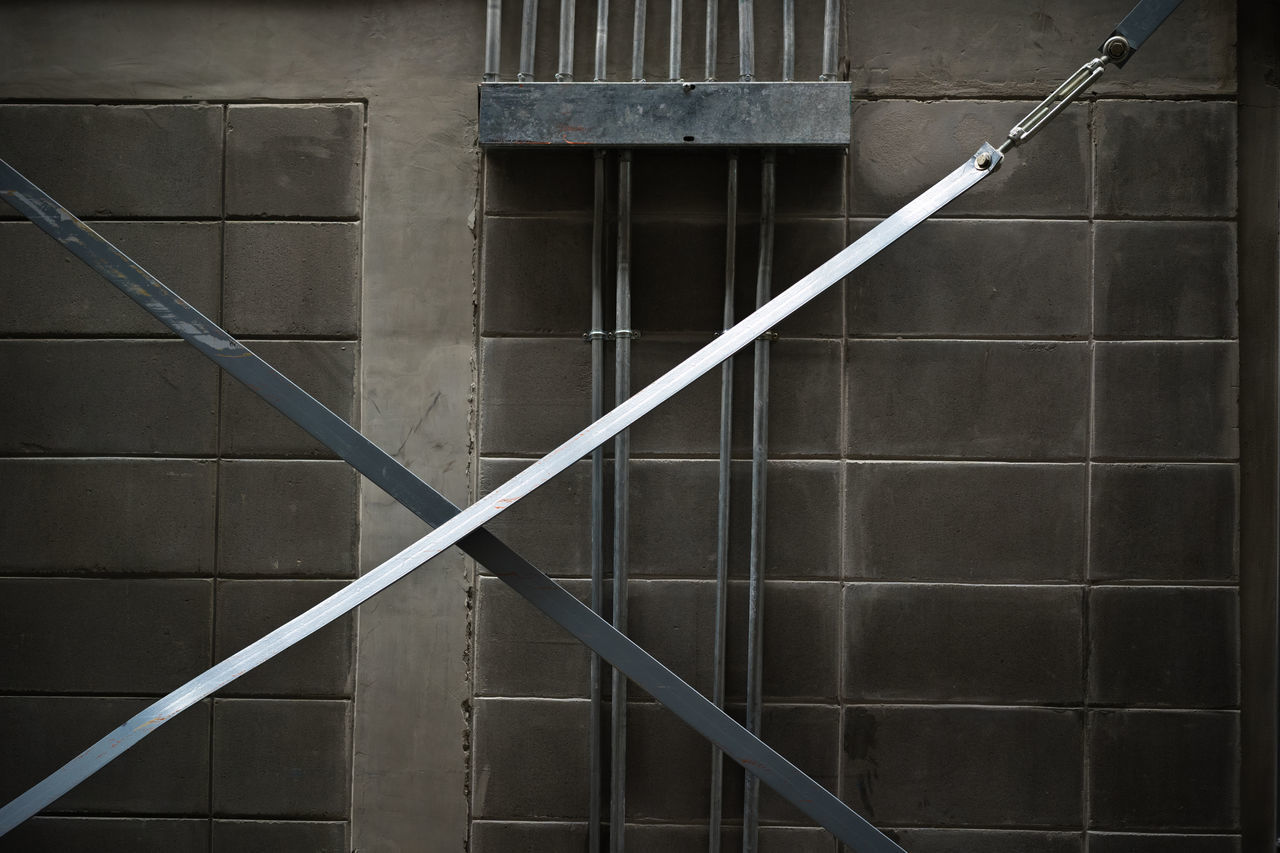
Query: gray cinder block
[801, 641]
[521, 652]
[107, 397]
[523, 181]
[292, 278]
[279, 836]
[1128, 842]
[552, 526]
[537, 276]
[295, 160]
[120, 160]
[140, 835]
[1166, 401]
[282, 758]
[108, 516]
[159, 630]
[534, 394]
[986, 840]
[1164, 770]
[510, 736]
[1006, 645]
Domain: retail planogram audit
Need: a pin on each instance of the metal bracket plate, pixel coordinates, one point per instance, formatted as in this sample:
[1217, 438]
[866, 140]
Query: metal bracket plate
[635, 115]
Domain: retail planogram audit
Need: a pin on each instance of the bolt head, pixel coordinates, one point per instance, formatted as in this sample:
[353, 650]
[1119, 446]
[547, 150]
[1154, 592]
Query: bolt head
[1116, 47]
[983, 160]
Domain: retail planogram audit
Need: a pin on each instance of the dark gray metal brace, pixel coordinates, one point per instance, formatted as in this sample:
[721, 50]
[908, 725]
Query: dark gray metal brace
[429, 505]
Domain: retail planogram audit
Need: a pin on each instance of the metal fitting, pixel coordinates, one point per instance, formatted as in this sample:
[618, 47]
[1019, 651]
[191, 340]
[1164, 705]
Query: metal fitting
[983, 160]
[1115, 48]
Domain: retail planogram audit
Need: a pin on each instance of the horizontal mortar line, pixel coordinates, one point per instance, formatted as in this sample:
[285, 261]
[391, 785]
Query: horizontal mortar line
[684, 455]
[201, 102]
[118, 694]
[1163, 583]
[277, 219]
[1166, 460]
[1034, 96]
[92, 337]
[97, 219]
[1080, 337]
[298, 456]
[1160, 217]
[1102, 339]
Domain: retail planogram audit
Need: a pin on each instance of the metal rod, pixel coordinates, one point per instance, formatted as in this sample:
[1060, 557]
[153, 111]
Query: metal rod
[722, 499]
[597, 496]
[788, 40]
[492, 40]
[676, 39]
[621, 505]
[830, 40]
[759, 471]
[709, 51]
[637, 42]
[465, 527]
[564, 74]
[528, 38]
[602, 44]
[746, 41]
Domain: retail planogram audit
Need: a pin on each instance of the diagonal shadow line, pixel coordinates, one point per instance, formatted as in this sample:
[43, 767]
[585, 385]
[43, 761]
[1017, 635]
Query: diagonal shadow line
[429, 505]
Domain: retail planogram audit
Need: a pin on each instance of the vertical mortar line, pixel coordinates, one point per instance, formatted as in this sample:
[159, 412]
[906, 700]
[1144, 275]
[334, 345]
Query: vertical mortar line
[622, 449]
[528, 39]
[711, 46]
[675, 42]
[759, 473]
[637, 41]
[746, 41]
[1086, 585]
[602, 45]
[597, 494]
[217, 465]
[842, 481]
[564, 73]
[473, 482]
[722, 503]
[492, 40]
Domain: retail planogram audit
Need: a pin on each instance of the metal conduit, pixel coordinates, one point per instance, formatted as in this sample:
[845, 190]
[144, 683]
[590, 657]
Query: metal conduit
[595, 757]
[759, 460]
[710, 48]
[722, 499]
[528, 33]
[746, 40]
[492, 40]
[621, 486]
[564, 72]
[637, 42]
[788, 40]
[602, 39]
[830, 36]
[675, 40]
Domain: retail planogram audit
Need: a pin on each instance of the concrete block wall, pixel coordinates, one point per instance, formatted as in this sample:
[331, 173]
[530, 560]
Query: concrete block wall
[1002, 606]
[158, 516]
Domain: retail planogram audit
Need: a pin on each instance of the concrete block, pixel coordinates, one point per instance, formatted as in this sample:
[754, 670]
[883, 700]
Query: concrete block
[987, 840]
[799, 247]
[989, 767]
[278, 758]
[810, 182]
[801, 639]
[321, 665]
[492, 836]
[1166, 401]
[1118, 842]
[674, 620]
[691, 182]
[107, 397]
[159, 630]
[1164, 522]
[1164, 646]
[976, 278]
[287, 519]
[1005, 645]
[901, 147]
[279, 836]
[968, 399]
[521, 652]
[693, 839]
[534, 394]
[510, 736]
[551, 527]
[161, 161]
[1164, 770]
[1166, 158]
[668, 766]
[1165, 279]
[292, 278]
[525, 181]
[45, 732]
[89, 834]
[922, 51]
[689, 423]
[677, 276]
[807, 736]
[324, 369]
[969, 522]
[537, 277]
[673, 516]
[48, 291]
[125, 516]
[295, 160]
[807, 429]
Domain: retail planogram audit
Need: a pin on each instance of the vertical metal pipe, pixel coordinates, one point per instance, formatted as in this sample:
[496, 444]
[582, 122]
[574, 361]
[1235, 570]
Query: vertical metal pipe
[830, 38]
[597, 497]
[637, 42]
[788, 40]
[759, 459]
[746, 40]
[675, 42]
[709, 52]
[621, 463]
[492, 40]
[722, 499]
[602, 44]
[528, 37]
[564, 74]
